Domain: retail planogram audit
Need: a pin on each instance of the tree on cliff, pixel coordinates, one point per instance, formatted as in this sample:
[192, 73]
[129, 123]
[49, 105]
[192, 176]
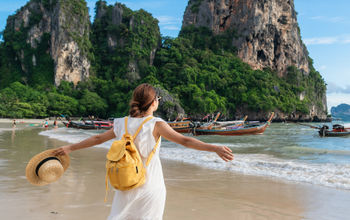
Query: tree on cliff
[201, 67]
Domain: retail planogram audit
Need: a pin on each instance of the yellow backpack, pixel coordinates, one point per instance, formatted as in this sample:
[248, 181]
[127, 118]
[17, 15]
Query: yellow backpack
[124, 166]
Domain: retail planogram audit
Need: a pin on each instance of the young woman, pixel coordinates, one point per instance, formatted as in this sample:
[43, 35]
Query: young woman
[148, 200]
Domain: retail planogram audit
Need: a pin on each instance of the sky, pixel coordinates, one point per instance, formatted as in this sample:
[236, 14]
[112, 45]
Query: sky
[324, 25]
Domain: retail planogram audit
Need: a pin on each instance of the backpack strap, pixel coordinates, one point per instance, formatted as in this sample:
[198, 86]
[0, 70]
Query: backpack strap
[106, 179]
[126, 125]
[152, 152]
[139, 129]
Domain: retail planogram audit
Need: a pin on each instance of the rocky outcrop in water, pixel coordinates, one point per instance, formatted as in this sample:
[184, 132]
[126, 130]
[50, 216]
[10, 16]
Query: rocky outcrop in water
[267, 32]
[341, 111]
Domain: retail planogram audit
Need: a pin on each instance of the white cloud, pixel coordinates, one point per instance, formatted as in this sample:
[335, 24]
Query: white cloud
[169, 23]
[341, 39]
[337, 95]
[166, 20]
[323, 67]
[335, 99]
[316, 17]
[171, 28]
[320, 40]
[335, 19]
[334, 88]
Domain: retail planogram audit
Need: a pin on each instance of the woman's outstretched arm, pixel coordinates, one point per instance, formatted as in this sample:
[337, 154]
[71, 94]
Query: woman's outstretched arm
[89, 142]
[164, 130]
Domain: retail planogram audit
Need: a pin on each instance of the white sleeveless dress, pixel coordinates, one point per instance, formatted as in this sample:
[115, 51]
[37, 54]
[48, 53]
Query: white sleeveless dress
[147, 201]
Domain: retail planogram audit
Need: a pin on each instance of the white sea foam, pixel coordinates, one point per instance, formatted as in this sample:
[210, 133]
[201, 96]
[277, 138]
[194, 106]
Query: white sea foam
[73, 135]
[326, 174]
[331, 175]
[7, 129]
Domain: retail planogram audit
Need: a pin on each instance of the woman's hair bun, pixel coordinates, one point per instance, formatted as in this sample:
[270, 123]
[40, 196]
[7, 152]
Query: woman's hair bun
[142, 98]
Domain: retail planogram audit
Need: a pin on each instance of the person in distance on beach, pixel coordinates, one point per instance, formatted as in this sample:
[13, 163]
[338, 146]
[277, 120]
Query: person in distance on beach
[55, 123]
[148, 200]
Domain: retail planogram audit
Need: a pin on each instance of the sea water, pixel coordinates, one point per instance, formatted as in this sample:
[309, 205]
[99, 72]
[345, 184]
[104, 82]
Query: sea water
[285, 151]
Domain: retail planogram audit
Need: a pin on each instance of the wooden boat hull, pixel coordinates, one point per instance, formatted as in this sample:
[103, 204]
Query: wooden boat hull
[334, 134]
[181, 126]
[183, 130]
[244, 130]
[232, 132]
[94, 126]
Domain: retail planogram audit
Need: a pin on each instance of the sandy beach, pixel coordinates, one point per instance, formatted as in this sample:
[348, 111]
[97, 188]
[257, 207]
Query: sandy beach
[24, 120]
[192, 191]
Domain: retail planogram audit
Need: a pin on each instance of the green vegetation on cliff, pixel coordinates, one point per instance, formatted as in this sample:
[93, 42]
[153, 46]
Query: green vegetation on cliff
[25, 51]
[124, 41]
[78, 28]
[198, 68]
[195, 5]
[22, 62]
[207, 76]
[119, 43]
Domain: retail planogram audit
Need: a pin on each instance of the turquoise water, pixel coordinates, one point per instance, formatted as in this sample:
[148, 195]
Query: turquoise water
[292, 141]
[285, 151]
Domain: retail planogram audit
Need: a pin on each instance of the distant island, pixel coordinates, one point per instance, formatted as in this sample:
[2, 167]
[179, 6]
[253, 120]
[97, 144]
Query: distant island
[341, 111]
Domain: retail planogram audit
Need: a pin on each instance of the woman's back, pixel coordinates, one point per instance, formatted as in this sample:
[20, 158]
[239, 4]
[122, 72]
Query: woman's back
[148, 200]
[145, 140]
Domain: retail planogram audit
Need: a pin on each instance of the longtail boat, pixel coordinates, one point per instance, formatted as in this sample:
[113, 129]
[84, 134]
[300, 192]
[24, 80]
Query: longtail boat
[229, 131]
[211, 124]
[67, 124]
[337, 131]
[89, 125]
[181, 126]
[230, 124]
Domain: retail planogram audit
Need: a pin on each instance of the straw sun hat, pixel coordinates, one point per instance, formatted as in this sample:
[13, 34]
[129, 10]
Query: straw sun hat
[46, 167]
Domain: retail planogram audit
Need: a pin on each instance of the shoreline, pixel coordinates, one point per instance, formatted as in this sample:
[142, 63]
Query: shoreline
[25, 120]
[276, 120]
[193, 192]
[244, 196]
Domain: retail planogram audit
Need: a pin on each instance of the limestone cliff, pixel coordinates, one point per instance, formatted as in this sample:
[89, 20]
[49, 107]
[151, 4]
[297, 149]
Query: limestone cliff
[265, 35]
[125, 43]
[341, 111]
[267, 31]
[169, 107]
[133, 34]
[67, 25]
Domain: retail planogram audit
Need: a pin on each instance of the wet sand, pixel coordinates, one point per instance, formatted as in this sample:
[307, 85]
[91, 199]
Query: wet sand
[192, 192]
[24, 120]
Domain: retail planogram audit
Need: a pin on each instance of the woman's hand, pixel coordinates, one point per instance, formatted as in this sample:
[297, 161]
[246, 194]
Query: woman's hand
[89, 142]
[164, 130]
[63, 150]
[224, 152]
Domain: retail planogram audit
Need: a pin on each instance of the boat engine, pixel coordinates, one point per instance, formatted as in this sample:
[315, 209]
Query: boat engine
[323, 130]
